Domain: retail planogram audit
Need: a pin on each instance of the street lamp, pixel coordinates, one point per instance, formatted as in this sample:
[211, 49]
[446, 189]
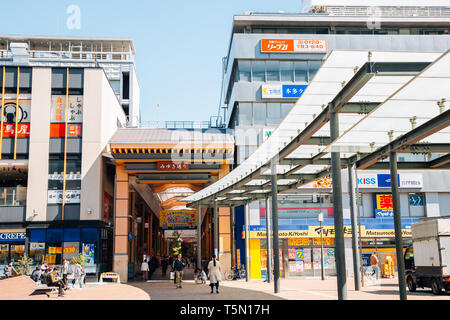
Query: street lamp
[320, 219]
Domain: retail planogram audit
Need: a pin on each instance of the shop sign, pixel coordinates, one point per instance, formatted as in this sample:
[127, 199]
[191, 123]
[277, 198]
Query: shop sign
[12, 236]
[293, 45]
[178, 219]
[172, 166]
[55, 250]
[58, 130]
[409, 180]
[299, 242]
[37, 246]
[384, 207]
[59, 177]
[23, 114]
[75, 109]
[70, 250]
[314, 232]
[9, 130]
[71, 196]
[172, 234]
[282, 91]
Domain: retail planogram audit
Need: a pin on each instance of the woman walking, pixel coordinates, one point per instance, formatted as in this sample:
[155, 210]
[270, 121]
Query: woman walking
[215, 274]
[144, 269]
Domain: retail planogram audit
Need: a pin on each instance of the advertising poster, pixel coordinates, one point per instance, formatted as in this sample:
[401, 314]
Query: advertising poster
[291, 253]
[89, 253]
[75, 109]
[299, 255]
[299, 266]
[178, 219]
[383, 205]
[316, 257]
[292, 266]
[37, 246]
[264, 259]
[329, 261]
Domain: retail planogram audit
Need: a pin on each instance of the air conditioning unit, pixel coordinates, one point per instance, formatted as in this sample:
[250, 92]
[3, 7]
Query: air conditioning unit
[19, 51]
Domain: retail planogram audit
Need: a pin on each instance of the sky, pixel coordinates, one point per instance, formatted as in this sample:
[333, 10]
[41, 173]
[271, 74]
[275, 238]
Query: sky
[179, 44]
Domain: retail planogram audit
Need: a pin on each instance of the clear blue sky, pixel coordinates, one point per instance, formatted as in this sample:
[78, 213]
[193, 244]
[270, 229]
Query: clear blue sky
[179, 43]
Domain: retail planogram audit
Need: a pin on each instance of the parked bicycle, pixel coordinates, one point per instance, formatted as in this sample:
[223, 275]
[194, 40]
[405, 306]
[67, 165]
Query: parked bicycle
[369, 273]
[235, 273]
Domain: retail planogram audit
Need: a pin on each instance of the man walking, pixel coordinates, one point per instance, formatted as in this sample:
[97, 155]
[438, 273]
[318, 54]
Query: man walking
[374, 264]
[178, 266]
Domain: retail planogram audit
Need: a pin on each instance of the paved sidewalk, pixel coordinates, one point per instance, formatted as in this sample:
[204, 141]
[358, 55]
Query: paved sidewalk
[316, 289]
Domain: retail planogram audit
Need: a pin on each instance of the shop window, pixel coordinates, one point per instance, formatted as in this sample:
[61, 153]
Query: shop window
[54, 252]
[4, 254]
[17, 252]
[37, 252]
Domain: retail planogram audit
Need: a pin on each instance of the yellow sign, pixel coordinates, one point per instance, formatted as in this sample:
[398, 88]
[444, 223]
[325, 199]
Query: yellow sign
[110, 275]
[299, 242]
[328, 232]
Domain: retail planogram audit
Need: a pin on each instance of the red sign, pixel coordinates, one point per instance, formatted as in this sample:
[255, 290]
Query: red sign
[172, 166]
[9, 132]
[294, 45]
[57, 130]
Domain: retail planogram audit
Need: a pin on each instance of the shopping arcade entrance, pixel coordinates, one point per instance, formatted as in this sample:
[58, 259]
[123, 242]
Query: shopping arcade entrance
[155, 169]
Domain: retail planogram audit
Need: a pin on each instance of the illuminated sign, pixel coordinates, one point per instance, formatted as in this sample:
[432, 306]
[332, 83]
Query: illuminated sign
[407, 180]
[23, 130]
[293, 45]
[58, 130]
[383, 205]
[12, 236]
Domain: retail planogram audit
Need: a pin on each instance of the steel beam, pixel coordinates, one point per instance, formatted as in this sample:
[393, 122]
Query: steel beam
[276, 249]
[439, 162]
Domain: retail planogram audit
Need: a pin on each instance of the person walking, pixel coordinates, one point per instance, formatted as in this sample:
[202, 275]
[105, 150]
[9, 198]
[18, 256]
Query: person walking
[374, 264]
[153, 265]
[144, 269]
[9, 269]
[77, 275]
[215, 274]
[178, 266]
[65, 271]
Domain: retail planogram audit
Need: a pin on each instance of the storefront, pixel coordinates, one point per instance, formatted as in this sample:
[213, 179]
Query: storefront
[53, 245]
[300, 247]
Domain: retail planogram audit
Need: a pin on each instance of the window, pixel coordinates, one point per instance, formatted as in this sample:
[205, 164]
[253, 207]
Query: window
[287, 71]
[126, 86]
[244, 114]
[273, 113]
[301, 71]
[59, 80]
[259, 113]
[11, 80]
[273, 70]
[244, 71]
[259, 71]
[115, 84]
[285, 108]
[313, 68]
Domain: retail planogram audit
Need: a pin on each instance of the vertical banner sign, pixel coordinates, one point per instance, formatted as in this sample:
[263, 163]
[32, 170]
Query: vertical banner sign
[65, 144]
[17, 113]
[3, 111]
[89, 253]
[383, 205]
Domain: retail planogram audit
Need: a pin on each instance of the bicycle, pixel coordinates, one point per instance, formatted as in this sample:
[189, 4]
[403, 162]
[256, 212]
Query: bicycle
[234, 273]
[369, 273]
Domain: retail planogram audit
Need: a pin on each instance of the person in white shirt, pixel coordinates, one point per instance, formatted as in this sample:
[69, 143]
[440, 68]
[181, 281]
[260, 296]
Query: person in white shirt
[215, 274]
[144, 269]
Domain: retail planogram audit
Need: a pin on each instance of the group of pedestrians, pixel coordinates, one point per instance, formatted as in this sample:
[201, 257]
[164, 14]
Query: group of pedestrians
[57, 276]
[148, 266]
[214, 272]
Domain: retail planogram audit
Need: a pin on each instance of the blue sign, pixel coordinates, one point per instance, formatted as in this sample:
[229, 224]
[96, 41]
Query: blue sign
[384, 180]
[12, 236]
[293, 91]
[131, 236]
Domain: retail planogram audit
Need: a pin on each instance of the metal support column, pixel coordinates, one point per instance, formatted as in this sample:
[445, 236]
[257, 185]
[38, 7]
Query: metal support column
[247, 241]
[338, 212]
[233, 234]
[269, 245]
[216, 230]
[276, 247]
[354, 221]
[397, 226]
[199, 237]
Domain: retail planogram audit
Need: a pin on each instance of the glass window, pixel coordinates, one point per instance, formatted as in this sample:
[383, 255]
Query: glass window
[273, 113]
[258, 70]
[285, 108]
[301, 71]
[313, 67]
[273, 70]
[37, 252]
[245, 113]
[244, 70]
[115, 84]
[287, 71]
[259, 113]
